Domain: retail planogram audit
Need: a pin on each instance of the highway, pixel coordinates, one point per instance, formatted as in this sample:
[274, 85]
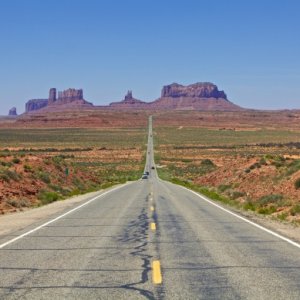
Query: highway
[147, 239]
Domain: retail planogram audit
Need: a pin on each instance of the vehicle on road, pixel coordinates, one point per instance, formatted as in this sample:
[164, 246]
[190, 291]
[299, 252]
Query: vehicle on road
[145, 176]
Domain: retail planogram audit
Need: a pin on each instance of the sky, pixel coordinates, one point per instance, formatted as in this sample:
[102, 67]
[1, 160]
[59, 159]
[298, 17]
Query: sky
[249, 49]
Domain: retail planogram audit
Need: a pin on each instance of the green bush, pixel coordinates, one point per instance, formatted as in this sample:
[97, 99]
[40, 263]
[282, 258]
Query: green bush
[293, 167]
[45, 177]
[223, 187]
[273, 198]
[295, 210]
[267, 210]
[47, 197]
[297, 184]
[249, 206]
[237, 194]
[27, 168]
[8, 175]
[16, 160]
[282, 216]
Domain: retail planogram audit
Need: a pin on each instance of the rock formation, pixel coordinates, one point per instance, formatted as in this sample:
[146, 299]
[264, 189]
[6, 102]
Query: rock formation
[198, 90]
[129, 102]
[12, 112]
[52, 96]
[198, 96]
[70, 97]
[35, 104]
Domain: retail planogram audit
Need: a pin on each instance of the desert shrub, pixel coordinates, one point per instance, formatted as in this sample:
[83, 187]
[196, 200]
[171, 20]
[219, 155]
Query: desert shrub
[78, 183]
[27, 168]
[267, 210]
[282, 216]
[273, 198]
[263, 161]
[18, 203]
[45, 177]
[47, 197]
[207, 162]
[295, 210]
[8, 175]
[16, 160]
[293, 167]
[237, 194]
[6, 164]
[249, 206]
[223, 187]
[297, 183]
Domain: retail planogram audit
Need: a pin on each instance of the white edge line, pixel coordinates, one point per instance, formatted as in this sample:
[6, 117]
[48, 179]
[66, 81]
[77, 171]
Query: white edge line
[240, 217]
[61, 216]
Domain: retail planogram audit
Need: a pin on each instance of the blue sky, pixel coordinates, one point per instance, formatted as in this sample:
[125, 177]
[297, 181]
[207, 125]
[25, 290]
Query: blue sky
[250, 49]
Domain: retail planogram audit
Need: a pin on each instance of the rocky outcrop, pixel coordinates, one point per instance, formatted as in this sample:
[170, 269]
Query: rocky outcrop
[199, 96]
[196, 90]
[129, 102]
[35, 104]
[52, 96]
[12, 112]
[70, 97]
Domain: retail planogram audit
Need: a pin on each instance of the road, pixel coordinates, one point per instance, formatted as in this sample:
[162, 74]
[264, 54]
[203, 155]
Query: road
[121, 243]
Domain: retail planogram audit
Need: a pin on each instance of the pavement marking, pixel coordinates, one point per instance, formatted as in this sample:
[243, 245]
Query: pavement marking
[152, 208]
[156, 272]
[61, 216]
[153, 226]
[244, 219]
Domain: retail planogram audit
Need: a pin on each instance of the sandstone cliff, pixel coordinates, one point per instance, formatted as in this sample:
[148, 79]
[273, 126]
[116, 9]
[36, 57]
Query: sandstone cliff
[35, 104]
[198, 96]
[66, 99]
[198, 90]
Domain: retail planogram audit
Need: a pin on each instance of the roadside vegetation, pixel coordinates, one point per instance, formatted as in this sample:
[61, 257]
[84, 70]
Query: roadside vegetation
[255, 170]
[38, 167]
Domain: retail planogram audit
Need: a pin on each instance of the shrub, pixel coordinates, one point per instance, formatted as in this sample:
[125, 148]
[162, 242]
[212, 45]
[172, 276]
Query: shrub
[18, 203]
[7, 175]
[249, 206]
[297, 184]
[44, 177]
[207, 162]
[282, 216]
[224, 187]
[237, 194]
[293, 167]
[16, 160]
[47, 197]
[267, 210]
[27, 168]
[295, 210]
[273, 198]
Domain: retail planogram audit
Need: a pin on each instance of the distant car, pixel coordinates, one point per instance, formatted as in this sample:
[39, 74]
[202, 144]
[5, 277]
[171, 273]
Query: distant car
[145, 176]
[147, 173]
[152, 167]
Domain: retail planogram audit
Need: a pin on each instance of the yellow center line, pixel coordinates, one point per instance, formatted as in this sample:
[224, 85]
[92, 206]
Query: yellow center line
[156, 272]
[152, 208]
[153, 226]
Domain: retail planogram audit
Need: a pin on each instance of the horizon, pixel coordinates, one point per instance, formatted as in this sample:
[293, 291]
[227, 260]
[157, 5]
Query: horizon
[249, 50]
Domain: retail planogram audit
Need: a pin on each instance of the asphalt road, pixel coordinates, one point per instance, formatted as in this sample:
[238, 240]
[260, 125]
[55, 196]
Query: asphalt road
[105, 249]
